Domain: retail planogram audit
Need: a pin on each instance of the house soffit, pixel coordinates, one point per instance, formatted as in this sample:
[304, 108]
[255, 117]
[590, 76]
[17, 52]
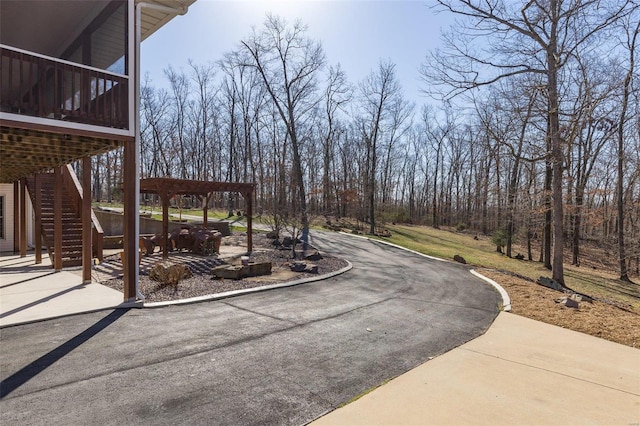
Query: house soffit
[49, 27]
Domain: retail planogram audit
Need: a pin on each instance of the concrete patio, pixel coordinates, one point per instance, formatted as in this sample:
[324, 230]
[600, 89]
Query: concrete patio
[30, 292]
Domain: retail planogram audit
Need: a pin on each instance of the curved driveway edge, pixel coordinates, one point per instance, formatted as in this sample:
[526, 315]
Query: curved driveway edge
[233, 293]
[284, 356]
[506, 300]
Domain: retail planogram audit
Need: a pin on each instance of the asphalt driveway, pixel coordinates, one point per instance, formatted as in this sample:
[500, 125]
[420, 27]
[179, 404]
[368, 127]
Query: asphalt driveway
[285, 356]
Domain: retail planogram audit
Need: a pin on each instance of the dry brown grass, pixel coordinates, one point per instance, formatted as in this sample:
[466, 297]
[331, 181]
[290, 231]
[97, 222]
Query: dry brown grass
[598, 319]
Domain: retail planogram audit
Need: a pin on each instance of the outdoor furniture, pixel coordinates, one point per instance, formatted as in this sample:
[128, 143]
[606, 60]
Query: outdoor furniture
[198, 240]
[206, 241]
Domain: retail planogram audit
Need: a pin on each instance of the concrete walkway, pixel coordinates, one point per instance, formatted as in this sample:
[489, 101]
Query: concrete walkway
[30, 292]
[521, 372]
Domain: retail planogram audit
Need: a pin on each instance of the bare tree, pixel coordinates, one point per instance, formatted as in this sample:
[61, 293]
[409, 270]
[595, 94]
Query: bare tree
[526, 38]
[288, 63]
[437, 133]
[203, 77]
[336, 95]
[179, 84]
[378, 92]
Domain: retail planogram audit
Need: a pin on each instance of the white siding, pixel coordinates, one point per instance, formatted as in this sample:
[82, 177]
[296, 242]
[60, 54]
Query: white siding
[6, 243]
[6, 191]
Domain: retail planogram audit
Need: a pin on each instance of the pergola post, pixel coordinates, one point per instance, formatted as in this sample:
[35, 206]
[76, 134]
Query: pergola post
[37, 207]
[23, 217]
[86, 220]
[205, 209]
[57, 219]
[249, 200]
[165, 224]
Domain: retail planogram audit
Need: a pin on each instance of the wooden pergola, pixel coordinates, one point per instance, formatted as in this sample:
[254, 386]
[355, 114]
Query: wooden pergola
[166, 188]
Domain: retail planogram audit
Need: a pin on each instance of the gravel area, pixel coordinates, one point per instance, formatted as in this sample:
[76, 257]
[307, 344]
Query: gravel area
[202, 283]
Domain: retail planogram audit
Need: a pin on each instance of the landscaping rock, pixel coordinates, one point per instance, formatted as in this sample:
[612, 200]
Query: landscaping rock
[570, 303]
[272, 235]
[385, 233]
[227, 271]
[549, 283]
[459, 259]
[315, 256]
[242, 271]
[298, 266]
[169, 275]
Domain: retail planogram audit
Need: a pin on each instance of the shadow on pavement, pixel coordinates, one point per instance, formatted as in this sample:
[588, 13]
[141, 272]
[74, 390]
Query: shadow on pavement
[30, 371]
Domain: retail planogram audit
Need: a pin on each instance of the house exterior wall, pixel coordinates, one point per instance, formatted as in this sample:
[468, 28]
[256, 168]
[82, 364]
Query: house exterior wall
[6, 242]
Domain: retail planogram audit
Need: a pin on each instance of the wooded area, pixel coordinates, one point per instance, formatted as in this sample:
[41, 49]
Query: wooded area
[534, 137]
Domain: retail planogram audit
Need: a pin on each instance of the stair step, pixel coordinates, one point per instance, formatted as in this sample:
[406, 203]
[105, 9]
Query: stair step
[72, 247]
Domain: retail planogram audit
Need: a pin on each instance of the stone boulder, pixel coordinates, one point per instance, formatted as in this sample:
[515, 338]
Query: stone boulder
[459, 259]
[169, 275]
[272, 235]
[549, 283]
[315, 256]
[299, 266]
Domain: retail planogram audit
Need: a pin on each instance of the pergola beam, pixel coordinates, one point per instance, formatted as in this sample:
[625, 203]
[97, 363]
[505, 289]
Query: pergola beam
[166, 188]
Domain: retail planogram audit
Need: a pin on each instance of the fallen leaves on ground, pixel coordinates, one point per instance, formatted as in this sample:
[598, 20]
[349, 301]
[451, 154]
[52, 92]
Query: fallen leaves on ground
[598, 319]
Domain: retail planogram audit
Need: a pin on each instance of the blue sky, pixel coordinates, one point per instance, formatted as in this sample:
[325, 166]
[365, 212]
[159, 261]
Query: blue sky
[355, 33]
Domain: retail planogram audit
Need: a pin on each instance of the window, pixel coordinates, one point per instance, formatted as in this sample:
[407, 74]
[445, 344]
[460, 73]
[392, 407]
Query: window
[2, 216]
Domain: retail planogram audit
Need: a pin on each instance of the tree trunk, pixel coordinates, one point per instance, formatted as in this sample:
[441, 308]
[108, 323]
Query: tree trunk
[557, 156]
[545, 253]
[624, 275]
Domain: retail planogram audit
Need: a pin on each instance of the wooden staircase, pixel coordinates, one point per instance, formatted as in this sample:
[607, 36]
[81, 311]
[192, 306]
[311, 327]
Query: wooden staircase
[71, 218]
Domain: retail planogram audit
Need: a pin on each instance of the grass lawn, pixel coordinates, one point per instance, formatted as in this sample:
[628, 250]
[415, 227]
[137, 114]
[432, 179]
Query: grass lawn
[482, 253]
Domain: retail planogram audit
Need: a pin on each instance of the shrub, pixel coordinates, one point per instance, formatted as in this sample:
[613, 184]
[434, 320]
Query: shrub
[499, 238]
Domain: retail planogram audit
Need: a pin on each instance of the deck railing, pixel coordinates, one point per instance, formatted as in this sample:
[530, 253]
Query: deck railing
[41, 86]
[76, 192]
